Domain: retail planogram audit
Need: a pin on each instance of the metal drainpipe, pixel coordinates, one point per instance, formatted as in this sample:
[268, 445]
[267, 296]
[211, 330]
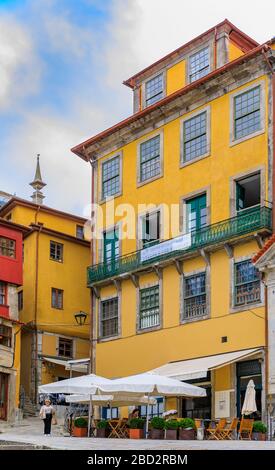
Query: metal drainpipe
[215, 49]
[92, 366]
[273, 220]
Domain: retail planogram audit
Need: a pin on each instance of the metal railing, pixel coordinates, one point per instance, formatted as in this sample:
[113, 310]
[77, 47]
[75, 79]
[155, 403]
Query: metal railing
[246, 222]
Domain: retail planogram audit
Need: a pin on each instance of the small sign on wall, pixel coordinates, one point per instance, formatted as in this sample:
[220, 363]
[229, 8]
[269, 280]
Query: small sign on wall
[222, 404]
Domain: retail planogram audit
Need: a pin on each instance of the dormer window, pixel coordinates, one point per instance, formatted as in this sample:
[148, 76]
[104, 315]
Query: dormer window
[154, 90]
[199, 64]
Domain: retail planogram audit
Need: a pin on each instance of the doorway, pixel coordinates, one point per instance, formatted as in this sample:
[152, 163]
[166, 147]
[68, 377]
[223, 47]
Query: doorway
[4, 382]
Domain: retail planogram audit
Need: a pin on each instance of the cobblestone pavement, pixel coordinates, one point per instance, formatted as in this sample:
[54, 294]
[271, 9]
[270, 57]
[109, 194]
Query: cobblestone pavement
[30, 433]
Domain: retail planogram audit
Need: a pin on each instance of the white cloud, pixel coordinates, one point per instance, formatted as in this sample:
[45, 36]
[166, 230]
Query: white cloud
[19, 65]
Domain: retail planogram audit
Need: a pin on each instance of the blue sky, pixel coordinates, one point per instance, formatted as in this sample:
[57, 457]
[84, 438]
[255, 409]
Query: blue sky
[62, 63]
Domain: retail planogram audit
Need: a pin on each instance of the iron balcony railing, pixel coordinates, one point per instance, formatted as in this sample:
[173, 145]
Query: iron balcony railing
[248, 221]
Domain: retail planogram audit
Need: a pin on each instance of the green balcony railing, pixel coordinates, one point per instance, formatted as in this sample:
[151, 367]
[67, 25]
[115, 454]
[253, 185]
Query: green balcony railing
[248, 221]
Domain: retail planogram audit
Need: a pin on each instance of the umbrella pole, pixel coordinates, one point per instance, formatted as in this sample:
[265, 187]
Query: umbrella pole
[89, 420]
[147, 417]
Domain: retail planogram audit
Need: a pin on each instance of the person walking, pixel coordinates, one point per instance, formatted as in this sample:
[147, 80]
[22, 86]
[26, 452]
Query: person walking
[47, 413]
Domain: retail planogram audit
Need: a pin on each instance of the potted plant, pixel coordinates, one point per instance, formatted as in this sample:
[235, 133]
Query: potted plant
[171, 429]
[186, 429]
[157, 428]
[136, 426]
[80, 428]
[259, 431]
[101, 428]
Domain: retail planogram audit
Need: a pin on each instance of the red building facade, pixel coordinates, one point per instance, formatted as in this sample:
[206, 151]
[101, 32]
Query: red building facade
[11, 277]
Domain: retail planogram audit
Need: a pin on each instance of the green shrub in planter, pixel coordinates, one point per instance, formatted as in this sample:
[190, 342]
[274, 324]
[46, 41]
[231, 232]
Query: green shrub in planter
[171, 424]
[81, 423]
[157, 423]
[186, 423]
[102, 424]
[259, 426]
[157, 428]
[136, 423]
[186, 429]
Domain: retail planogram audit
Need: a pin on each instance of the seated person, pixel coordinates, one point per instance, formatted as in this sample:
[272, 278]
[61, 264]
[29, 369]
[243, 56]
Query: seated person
[134, 413]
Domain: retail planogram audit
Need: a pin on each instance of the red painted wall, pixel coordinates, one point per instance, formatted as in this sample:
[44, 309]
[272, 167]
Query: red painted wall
[11, 269]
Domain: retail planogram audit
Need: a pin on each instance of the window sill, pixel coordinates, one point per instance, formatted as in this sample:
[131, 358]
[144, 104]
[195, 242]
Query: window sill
[195, 160]
[193, 320]
[149, 180]
[108, 338]
[140, 331]
[246, 307]
[109, 198]
[243, 139]
[60, 261]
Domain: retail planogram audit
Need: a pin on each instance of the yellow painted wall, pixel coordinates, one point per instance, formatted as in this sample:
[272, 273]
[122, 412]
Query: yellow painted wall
[222, 378]
[174, 342]
[27, 215]
[175, 77]
[216, 170]
[234, 51]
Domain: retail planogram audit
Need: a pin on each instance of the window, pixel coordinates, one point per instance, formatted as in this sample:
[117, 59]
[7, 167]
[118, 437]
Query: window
[149, 307]
[150, 158]
[5, 336]
[109, 318]
[247, 283]
[153, 410]
[247, 113]
[196, 213]
[199, 64]
[154, 90]
[20, 300]
[248, 192]
[56, 251]
[194, 137]
[57, 298]
[80, 232]
[7, 247]
[65, 347]
[194, 296]
[3, 300]
[111, 177]
[150, 229]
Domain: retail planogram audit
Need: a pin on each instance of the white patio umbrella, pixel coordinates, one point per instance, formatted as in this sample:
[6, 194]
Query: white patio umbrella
[84, 384]
[249, 404]
[152, 384]
[112, 400]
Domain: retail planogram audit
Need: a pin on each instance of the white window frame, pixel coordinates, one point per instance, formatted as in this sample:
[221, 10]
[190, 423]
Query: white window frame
[153, 178]
[119, 193]
[206, 110]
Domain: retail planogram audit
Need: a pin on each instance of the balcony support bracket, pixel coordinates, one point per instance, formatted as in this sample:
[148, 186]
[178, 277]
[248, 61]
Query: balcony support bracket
[96, 292]
[158, 271]
[205, 256]
[259, 239]
[178, 266]
[117, 285]
[229, 250]
[135, 280]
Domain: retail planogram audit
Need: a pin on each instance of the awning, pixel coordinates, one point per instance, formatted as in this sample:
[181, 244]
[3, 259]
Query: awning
[76, 366]
[198, 368]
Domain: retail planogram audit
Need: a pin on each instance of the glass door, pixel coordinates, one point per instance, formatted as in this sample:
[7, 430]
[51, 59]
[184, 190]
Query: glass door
[196, 213]
[110, 249]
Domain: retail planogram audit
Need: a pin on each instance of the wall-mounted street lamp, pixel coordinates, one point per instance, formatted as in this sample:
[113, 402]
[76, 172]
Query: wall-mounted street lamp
[80, 318]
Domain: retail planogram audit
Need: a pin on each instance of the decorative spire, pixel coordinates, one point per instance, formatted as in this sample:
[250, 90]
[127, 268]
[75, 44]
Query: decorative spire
[37, 184]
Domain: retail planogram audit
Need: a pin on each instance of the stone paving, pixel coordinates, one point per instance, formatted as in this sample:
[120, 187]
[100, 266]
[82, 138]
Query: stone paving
[30, 433]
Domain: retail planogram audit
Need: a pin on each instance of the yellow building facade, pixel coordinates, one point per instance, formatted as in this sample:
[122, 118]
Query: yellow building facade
[183, 190]
[54, 290]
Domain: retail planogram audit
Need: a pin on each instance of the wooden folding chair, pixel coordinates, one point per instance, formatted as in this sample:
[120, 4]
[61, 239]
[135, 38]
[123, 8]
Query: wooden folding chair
[114, 427]
[214, 433]
[246, 427]
[227, 432]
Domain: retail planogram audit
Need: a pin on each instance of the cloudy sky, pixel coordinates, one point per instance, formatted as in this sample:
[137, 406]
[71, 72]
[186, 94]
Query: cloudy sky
[62, 63]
